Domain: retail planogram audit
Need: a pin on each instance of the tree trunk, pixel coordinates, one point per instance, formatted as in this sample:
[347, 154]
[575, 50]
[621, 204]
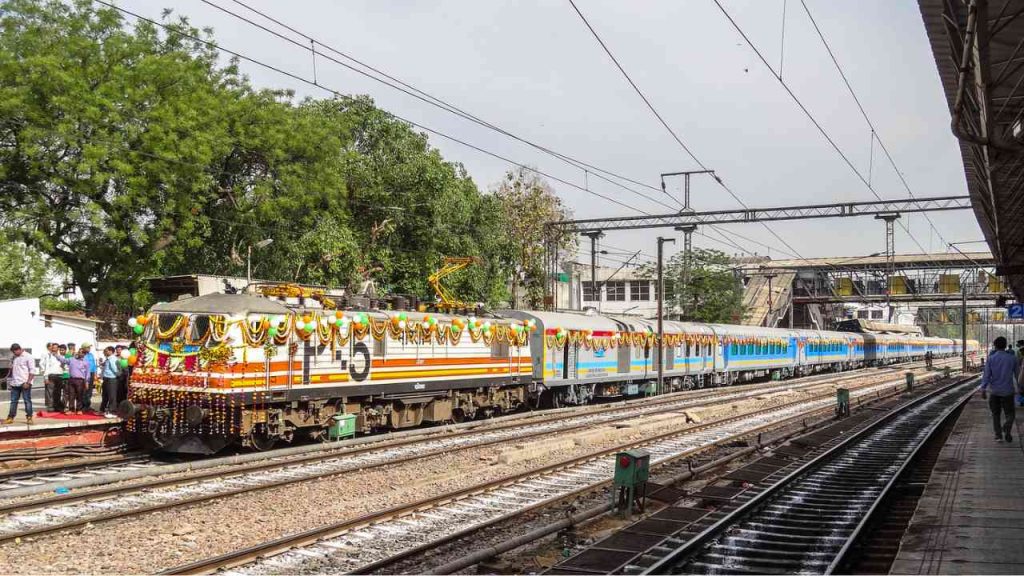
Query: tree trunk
[94, 298]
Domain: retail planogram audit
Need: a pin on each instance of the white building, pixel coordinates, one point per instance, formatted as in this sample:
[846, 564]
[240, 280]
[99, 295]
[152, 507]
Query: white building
[619, 290]
[24, 323]
[880, 312]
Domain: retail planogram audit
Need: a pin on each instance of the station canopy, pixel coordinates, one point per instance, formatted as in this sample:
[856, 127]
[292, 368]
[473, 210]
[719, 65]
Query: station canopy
[977, 46]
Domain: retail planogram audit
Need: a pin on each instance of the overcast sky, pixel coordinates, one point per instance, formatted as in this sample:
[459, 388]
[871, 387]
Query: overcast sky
[533, 68]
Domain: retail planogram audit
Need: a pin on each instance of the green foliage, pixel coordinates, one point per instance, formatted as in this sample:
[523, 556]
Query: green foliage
[713, 294]
[110, 137]
[131, 152]
[25, 273]
[526, 203]
[61, 304]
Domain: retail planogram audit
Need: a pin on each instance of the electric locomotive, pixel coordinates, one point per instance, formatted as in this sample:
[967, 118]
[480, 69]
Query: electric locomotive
[253, 370]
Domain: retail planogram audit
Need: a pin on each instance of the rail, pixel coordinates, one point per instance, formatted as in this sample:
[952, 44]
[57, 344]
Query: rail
[703, 546]
[455, 514]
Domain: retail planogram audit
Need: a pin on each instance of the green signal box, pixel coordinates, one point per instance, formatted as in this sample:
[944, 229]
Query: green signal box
[632, 469]
[842, 402]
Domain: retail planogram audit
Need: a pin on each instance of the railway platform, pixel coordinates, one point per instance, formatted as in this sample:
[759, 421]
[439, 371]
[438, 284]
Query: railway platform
[52, 431]
[970, 518]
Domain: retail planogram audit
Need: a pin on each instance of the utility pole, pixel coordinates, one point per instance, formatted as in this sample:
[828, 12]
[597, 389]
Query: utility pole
[890, 255]
[661, 312]
[686, 185]
[248, 258]
[963, 328]
[686, 229]
[594, 236]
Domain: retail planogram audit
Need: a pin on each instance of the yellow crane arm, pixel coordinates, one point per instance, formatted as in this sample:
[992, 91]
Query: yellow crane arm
[450, 265]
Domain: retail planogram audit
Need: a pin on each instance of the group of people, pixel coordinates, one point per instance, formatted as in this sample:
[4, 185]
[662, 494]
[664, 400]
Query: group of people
[70, 374]
[1001, 385]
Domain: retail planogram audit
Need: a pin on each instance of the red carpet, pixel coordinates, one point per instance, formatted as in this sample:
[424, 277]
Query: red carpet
[60, 416]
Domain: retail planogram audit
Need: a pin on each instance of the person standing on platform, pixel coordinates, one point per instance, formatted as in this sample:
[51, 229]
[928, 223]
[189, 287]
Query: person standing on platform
[23, 371]
[110, 371]
[78, 370]
[62, 351]
[90, 382]
[1000, 380]
[52, 367]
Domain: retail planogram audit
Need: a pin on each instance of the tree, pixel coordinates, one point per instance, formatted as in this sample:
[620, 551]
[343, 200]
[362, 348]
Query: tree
[527, 203]
[25, 273]
[713, 294]
[109, 139]
[131, 152]
[410, 208]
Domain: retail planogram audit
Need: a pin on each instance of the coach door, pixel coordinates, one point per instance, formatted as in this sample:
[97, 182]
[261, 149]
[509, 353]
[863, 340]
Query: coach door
[571, 355]
[514, 357]
[624, 351]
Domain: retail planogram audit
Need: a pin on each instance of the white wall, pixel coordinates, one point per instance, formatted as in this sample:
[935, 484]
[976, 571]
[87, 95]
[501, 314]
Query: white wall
[64, 330]
[20, 322]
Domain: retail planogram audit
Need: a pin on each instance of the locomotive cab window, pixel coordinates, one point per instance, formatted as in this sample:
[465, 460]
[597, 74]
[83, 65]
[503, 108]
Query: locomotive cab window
[199, 327]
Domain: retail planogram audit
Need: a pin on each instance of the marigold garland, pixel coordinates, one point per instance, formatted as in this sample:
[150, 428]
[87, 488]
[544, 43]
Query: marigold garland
[257, 332]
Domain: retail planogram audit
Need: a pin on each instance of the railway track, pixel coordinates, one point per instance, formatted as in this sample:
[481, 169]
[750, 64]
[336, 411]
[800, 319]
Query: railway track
[103, 466]
[23, 519]
[379, 539]
[808, 521]
[49, 478]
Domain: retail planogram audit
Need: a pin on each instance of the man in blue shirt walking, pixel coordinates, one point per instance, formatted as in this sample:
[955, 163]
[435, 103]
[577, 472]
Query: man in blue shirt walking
[1000, 380]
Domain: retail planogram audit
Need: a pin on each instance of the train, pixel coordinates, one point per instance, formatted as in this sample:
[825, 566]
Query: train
[253, 371]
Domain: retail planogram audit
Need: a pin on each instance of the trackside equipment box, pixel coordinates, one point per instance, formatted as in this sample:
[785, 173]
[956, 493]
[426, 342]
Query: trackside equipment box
[632, 468]
[630, 481]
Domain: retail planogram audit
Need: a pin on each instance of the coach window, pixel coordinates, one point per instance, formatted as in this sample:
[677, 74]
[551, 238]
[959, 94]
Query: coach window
[378, 347]
[733, 349]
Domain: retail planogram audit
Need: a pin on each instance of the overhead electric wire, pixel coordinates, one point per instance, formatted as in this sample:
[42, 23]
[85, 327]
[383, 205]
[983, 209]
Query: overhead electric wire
[810, 116]
[669, 128]
[412, 91]
[419, 94]
[864, 113]
[452, 108]
[302, 79]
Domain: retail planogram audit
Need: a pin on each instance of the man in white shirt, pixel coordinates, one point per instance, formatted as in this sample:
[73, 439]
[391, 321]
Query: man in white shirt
[52, 367]
[23, 370]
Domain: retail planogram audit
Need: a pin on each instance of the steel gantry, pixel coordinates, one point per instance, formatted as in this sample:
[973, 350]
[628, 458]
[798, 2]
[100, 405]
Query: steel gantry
[805, 212]
[687, 221]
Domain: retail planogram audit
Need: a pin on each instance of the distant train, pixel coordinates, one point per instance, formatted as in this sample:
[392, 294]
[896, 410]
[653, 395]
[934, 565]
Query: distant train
[241, 369]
